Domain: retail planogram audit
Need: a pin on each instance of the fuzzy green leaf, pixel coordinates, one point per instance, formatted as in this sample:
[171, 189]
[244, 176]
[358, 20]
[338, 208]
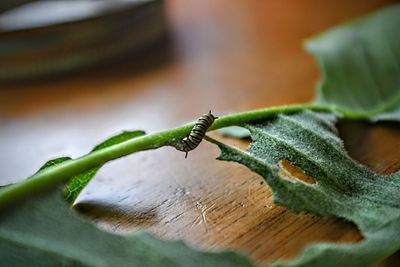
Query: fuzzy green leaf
[44, 231]
[360, 64]
[344, 188]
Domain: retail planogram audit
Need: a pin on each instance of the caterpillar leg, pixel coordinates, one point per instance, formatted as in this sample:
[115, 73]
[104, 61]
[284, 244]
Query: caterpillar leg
[186, 155]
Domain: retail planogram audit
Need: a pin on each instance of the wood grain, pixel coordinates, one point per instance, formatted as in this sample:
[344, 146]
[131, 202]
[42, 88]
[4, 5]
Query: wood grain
[227, 56]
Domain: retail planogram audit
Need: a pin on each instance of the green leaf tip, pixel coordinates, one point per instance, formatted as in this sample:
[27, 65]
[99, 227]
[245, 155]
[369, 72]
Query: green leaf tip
[79, 182]
[53, 162]
[360, 65]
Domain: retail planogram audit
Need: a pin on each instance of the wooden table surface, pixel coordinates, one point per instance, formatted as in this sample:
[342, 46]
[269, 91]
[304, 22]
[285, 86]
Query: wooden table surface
[225, 56]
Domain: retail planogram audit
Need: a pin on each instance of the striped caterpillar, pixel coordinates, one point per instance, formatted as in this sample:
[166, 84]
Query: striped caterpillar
[198, 132]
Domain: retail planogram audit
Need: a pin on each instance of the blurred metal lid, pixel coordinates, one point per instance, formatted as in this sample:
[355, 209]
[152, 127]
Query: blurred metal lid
[45, 38]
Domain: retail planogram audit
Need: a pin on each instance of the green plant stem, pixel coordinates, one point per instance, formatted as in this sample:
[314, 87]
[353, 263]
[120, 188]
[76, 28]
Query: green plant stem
[62, 172]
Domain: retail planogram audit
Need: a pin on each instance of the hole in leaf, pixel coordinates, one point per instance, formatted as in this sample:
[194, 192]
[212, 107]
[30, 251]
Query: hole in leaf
[291, 172]
[374, 145]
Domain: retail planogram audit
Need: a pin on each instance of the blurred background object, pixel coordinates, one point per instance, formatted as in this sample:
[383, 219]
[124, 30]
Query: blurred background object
[45, 38]
[7, 4]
